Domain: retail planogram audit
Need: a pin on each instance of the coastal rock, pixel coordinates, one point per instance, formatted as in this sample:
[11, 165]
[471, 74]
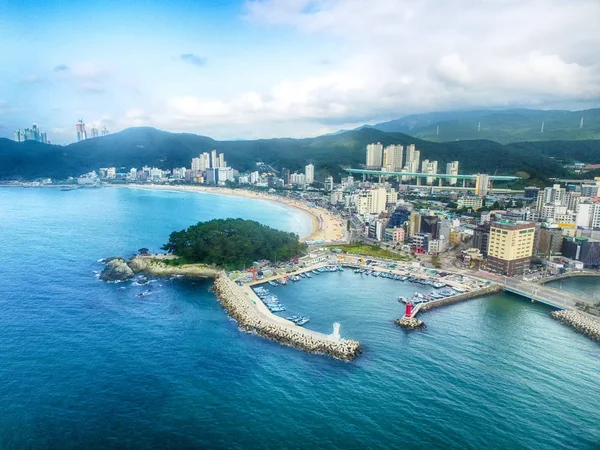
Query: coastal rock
[155, 266]
[410, 323]
[116, 270]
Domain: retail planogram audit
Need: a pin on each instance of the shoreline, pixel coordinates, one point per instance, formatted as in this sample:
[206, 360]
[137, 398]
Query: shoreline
[325, 227]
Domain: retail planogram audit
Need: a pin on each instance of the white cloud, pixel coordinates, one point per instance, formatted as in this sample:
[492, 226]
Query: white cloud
[416, 55]
[411, 56]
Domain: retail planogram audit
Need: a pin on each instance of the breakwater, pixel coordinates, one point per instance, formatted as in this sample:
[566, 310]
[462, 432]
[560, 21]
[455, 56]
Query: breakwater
[459, 298]
[581, 322]
[247, 311]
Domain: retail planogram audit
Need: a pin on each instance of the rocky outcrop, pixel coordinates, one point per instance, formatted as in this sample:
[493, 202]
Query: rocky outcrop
[410, 323]
[154, 266]
[582, 322]
[116, 269]
[240, 308]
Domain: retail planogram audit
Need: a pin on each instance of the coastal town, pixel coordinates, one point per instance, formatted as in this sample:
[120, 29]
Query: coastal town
[461, 241]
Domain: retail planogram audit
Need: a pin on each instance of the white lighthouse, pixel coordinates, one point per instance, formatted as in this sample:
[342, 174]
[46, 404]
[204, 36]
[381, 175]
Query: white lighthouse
[336, 332]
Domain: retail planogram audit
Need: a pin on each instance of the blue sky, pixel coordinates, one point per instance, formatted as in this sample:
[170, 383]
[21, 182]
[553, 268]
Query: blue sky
[266, 68]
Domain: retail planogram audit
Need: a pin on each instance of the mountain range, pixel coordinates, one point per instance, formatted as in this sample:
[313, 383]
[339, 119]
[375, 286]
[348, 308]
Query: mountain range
[536, 160]
[506, 126]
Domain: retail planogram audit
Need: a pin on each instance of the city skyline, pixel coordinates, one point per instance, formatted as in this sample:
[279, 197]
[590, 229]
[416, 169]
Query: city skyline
[308, 67]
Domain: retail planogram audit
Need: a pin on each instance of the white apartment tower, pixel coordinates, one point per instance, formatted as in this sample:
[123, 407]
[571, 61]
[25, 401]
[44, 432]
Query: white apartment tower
[392, 158]
[214, 160]
[452, 169]
[429, 167]
[309, 174]
[374, 156]
[413, 157]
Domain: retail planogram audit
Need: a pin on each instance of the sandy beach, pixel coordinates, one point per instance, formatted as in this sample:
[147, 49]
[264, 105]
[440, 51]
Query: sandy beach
[325, 226]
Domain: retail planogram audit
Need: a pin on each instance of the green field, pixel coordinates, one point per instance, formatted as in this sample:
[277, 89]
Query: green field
[371, 250]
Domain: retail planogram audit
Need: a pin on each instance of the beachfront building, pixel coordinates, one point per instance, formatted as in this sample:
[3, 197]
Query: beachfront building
[371, 202]
[510, 247]
[309, 173]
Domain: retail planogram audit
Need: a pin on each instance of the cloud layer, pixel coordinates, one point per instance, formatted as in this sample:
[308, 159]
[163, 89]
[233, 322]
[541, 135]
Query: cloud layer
[305, 67]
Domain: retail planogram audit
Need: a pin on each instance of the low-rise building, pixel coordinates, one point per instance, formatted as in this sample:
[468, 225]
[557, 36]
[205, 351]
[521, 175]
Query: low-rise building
[470, 202]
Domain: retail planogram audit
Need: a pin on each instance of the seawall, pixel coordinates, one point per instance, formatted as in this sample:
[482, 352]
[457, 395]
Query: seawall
[246, 309]
[459, 298]
[565, 276]
[581, 322]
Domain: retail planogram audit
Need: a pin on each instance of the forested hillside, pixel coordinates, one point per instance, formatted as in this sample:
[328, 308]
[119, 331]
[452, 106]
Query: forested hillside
[136, 147]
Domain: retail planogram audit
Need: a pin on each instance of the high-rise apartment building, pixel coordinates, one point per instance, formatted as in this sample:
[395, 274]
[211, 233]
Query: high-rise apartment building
[554, 195]
[374, 156]
[81, 133]
[30, 134]
[429, 167]
[214, 159]
[392, 158]
[510, 247]
[572, 200]
[298, 178]
[309, 173]
[588, 214]
[482, 184]
[452, 169]
[413, 158]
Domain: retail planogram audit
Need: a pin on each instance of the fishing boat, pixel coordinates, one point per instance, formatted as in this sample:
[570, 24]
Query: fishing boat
[272, 283]
[302, 321]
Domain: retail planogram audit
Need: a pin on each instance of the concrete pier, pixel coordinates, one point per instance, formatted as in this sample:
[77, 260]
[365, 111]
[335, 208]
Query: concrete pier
[252, 315]
[492, 289]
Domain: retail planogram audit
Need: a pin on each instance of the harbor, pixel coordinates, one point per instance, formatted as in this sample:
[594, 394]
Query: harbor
[252, 315]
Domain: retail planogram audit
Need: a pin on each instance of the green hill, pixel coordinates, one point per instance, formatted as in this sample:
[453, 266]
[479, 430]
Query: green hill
[136, 147]
[516, 125]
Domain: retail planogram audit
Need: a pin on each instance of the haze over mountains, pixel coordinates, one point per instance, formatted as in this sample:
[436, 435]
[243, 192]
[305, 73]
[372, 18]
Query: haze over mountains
[135, 147]
[506, 126]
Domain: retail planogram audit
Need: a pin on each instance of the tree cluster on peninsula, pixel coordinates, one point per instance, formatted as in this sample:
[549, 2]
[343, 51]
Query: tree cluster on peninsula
[232, 243]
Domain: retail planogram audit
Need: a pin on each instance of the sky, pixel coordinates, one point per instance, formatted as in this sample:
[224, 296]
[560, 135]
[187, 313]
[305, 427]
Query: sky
[235, 69]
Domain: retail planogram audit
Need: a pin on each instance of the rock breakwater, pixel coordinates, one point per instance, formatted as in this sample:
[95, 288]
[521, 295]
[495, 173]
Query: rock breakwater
[460, 297]
[581, 322]
[410, 323]
[249, 317]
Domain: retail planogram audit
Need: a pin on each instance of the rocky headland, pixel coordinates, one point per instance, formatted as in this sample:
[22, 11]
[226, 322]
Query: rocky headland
[117, 269]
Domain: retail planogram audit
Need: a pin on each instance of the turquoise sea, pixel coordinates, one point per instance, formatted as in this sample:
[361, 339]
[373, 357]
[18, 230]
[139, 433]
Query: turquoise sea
[86, 365]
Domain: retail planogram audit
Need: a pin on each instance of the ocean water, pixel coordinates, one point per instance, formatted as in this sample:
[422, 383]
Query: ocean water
[84, 364]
